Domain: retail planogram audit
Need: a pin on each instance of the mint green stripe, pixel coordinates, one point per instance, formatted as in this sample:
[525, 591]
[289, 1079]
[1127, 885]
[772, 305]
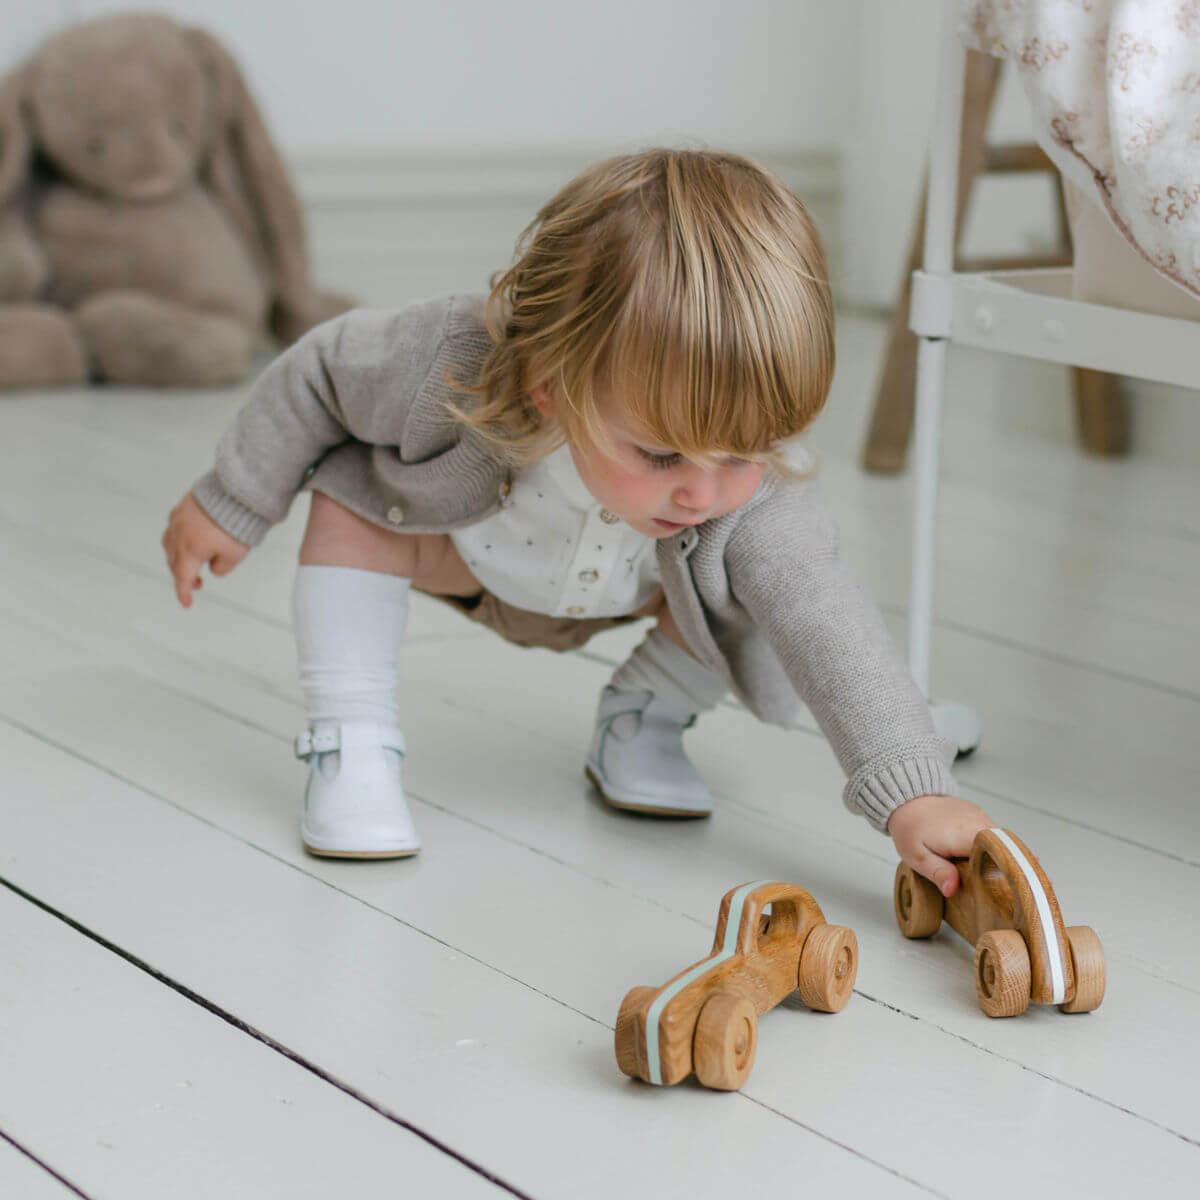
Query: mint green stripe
[654, 1015]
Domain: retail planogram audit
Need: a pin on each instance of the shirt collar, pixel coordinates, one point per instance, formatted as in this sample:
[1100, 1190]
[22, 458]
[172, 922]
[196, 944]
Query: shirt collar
[560, 466]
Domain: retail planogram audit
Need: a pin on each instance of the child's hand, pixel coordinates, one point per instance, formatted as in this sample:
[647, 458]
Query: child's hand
[192, 539]
[930, 830]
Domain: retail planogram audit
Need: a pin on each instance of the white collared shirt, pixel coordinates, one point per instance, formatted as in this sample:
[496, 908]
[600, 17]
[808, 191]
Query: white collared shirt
[553, 549]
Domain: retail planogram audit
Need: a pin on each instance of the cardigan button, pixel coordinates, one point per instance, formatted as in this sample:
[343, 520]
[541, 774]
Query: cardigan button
[576, 610]
[588, 576]
[395, 514]
[609, 518]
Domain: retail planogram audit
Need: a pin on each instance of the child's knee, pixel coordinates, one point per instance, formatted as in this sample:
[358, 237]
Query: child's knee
[337, 537]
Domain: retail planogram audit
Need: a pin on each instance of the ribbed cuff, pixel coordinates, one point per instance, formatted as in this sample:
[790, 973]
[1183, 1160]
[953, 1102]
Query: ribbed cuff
[879, 788]
[232, 515]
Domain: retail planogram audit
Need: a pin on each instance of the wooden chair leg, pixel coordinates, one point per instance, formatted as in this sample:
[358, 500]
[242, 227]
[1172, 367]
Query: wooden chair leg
[1102, 418]
[1101, 413]
[892, 417]
[891, 423]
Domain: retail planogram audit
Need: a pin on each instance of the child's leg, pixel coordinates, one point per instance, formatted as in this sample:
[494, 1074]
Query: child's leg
[637, 758]
[663, 665]
[350, 610]
[336, 537]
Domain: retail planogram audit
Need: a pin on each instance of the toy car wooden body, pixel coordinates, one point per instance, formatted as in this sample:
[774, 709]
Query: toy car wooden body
[706, 1018]
[1006, 908]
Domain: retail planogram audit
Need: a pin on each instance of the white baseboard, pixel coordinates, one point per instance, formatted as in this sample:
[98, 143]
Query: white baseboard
[366, 178]
[339, 186]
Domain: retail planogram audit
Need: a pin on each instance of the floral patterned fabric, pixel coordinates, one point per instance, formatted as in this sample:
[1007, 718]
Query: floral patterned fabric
[1115, 89]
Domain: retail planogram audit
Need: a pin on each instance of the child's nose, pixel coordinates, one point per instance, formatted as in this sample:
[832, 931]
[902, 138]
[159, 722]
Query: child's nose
[699, 491]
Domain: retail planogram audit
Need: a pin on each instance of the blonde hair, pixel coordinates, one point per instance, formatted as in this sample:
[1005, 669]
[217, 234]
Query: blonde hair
[689, 284]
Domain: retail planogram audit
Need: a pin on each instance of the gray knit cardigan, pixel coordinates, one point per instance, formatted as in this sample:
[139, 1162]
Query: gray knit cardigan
[356, 410]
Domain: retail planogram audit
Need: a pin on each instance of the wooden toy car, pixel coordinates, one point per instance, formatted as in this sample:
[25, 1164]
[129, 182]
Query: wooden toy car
[1007, 910]
[706, 1018]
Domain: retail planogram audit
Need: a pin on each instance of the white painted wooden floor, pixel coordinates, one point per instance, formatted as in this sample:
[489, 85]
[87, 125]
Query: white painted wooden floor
[191, 1007]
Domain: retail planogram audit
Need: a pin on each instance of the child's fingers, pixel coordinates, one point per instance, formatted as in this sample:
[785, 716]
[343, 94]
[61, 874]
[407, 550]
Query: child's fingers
[939, 871]
[186, 570]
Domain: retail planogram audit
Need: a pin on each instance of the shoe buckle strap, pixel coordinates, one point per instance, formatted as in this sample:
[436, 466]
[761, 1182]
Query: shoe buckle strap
[323, 741]
[317, 741]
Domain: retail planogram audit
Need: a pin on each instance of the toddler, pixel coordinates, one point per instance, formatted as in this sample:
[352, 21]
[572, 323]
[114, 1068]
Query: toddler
[597, 440]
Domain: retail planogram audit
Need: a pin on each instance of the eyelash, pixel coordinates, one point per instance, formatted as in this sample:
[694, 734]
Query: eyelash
[664, 461]
[661, 461]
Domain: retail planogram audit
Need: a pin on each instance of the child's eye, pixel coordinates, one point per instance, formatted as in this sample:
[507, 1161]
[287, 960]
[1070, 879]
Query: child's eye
[659, 460]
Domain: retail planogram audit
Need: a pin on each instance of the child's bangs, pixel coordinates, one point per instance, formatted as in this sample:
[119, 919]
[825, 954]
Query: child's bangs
[681, 294]
[701, 377]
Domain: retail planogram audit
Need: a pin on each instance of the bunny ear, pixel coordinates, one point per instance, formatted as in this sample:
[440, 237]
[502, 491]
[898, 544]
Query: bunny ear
[248, 176]
[16, 143]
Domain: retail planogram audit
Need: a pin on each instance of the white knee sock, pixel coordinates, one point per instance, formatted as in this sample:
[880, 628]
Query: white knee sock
[349, 625]
[661, 667]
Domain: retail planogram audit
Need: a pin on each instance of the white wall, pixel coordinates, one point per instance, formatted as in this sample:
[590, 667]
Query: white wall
[890, 92]
[854, 78]
[469, 73]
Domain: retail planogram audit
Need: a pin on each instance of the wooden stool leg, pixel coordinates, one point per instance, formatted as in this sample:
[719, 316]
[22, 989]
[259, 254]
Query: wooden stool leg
[1101, 413]
[1101, 409]
[891, 425]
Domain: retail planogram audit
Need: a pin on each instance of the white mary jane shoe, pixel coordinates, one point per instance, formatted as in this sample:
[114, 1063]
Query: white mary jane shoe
[637, 761]
[354, 805]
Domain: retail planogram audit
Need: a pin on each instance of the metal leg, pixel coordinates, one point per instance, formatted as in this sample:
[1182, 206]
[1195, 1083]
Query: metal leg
[931, 382]
[957, 722]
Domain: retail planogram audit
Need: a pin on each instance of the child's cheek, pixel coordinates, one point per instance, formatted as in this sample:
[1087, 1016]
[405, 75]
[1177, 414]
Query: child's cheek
[621, 485]
[645, 493]
[742, 488]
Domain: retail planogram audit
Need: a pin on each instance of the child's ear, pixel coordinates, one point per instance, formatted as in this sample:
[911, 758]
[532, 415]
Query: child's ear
[543, 401]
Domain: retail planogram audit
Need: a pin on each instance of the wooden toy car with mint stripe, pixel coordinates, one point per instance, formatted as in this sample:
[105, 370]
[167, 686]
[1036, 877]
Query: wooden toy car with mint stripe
[1006, 908]
[771, 940]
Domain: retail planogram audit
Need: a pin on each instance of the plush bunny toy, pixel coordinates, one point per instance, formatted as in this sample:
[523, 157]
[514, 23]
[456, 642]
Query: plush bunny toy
[148, 230]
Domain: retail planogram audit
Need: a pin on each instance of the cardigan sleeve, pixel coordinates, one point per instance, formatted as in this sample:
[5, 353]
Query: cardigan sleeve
[786, 571]
[354, 377]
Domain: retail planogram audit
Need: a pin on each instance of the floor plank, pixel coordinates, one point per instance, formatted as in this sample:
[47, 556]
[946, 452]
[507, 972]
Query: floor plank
[543, 808]
[130, 1089]
[516, 1079]
[21, 1176]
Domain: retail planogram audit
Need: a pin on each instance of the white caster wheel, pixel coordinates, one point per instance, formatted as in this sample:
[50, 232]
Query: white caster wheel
[959, 723]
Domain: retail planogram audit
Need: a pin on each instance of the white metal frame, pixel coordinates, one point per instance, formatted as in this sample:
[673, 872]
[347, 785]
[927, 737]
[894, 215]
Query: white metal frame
[1014, 312]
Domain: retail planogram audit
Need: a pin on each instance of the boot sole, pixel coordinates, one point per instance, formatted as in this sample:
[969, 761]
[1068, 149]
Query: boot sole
[654, 810]
[319, 853]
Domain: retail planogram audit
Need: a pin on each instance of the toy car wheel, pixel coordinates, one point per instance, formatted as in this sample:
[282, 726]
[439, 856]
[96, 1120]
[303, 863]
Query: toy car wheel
[1087, 957]
[828, 967]
[919, 905]
[725, 1040]
[627, 1034]
[1003, 976]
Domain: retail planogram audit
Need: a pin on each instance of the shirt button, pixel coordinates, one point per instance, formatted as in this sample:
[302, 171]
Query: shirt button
[576, 610]
[609, 518]
[588, 576]
[395, 514]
